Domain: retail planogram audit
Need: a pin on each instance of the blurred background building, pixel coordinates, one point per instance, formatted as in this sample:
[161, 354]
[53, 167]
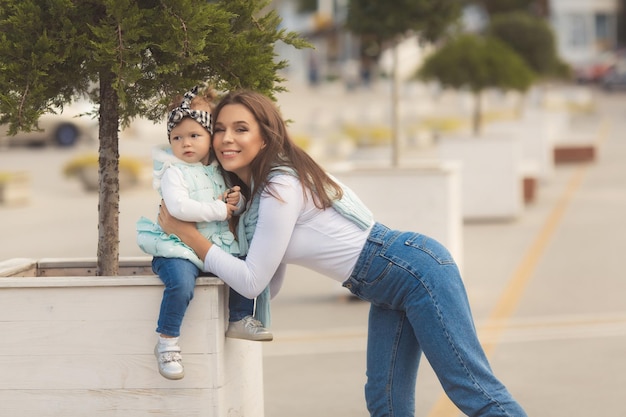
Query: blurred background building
[590, 35]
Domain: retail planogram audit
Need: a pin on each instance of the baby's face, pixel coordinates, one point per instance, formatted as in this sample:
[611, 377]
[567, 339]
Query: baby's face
[190, 142]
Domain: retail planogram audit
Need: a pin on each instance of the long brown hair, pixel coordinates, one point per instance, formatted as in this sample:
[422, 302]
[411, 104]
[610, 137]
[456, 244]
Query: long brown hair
[280, 150]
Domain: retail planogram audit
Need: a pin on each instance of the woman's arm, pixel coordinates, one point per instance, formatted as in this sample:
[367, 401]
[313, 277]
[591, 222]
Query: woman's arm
[186, 231]
[277, 280]
[277, 218]
[275, 224]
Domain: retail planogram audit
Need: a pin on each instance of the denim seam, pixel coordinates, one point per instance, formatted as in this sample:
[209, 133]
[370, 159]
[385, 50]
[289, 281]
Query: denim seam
[392, 369]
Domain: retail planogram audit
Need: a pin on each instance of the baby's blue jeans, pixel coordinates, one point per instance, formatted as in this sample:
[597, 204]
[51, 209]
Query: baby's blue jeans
[179, 276]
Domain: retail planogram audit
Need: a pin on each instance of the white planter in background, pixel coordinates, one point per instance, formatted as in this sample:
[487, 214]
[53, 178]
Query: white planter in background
[538, 133]
[424, 197]
[491, 174]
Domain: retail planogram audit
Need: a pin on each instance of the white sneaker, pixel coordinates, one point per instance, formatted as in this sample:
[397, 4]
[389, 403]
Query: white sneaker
[169, 360]
[249, 328]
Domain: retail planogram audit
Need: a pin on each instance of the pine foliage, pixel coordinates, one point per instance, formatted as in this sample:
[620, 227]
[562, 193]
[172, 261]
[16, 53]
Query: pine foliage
[129, 57]
[54, 50]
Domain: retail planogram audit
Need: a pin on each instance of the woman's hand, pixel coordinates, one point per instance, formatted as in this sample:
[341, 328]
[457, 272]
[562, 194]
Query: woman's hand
[172, 225]
[231, 198]
[232, 195]
[186, 231]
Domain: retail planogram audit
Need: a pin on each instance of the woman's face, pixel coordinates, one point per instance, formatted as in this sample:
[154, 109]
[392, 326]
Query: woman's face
[237, 140]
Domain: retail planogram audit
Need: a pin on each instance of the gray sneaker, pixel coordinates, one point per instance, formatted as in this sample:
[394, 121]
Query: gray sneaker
[170, 361]
[249, 328]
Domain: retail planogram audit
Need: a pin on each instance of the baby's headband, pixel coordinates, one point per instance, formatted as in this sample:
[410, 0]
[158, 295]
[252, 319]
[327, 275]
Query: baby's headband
[184, 110]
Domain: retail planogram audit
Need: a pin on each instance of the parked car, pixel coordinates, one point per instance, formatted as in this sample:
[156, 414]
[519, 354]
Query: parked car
[63, 129]
[595, 70]
[616, 78]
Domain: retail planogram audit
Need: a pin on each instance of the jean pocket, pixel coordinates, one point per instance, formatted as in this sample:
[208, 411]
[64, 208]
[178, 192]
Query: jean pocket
[431, 247]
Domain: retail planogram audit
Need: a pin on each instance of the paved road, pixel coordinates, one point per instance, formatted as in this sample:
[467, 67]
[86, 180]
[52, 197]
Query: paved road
[548, 290]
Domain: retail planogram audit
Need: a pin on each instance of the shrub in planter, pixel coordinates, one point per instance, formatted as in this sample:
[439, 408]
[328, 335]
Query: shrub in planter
[14, 187]
[85, 168]
[367, 135]
[477, 63]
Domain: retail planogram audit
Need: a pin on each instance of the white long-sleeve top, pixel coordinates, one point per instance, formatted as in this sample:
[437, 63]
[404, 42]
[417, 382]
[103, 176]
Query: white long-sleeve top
[178, 191]
[290, 230]
[176, 194]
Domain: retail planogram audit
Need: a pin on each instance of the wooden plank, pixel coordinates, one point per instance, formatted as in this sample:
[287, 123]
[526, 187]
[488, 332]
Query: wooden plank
[92, 281]
[113, 371]
[53, 267]
[84, 337]
[95, 303]
[171, 402]
[103, 336]
[564, 154]
[18, 267]
[529, 186]
[128, 266]
[126, 262]
[83, 345]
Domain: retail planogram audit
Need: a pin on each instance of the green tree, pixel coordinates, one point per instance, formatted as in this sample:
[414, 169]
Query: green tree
[307, 6]
[532, 38]
[387, 22]
[476, 63]
[129, 57]
[493, 7]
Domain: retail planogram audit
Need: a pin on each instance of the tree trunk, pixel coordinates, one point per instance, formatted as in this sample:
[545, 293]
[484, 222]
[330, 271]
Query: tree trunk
[395, 104]
[108, 171]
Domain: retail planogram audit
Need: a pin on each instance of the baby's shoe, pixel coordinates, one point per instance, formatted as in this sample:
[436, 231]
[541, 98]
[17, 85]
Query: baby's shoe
[248, 328]
[169, 358]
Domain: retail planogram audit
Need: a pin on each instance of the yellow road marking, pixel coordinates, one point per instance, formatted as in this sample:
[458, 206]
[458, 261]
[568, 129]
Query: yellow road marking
[513, 292]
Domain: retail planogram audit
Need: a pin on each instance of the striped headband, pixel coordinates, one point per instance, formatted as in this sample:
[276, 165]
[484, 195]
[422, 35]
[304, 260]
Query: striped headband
[184, 110]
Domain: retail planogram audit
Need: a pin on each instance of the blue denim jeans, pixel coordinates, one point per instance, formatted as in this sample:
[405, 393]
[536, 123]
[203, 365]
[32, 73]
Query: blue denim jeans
[419, 304]
[179, 277]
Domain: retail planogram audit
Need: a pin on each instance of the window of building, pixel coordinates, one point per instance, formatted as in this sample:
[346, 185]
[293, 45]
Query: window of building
[605, 31]
[576, 30]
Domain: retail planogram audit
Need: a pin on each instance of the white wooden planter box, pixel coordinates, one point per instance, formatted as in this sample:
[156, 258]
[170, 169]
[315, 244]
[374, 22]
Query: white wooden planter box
[79, 345]
[423, 197]
[491, 175]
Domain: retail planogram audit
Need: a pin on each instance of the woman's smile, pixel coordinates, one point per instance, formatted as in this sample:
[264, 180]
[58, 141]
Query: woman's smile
[229, 153]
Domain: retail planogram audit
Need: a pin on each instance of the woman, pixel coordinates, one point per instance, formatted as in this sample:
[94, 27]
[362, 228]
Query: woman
[418, 302]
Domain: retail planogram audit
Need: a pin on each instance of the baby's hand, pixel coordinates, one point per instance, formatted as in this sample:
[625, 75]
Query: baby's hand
[230, 209]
